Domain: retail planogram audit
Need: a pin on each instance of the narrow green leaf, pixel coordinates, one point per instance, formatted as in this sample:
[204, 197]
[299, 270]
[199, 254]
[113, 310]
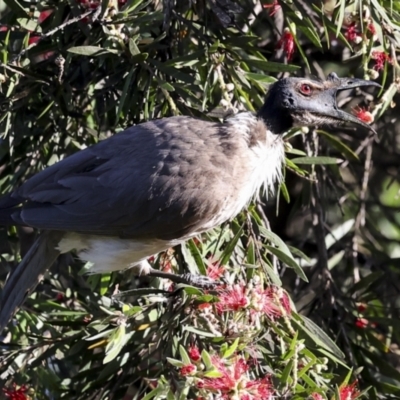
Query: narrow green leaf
[205, 356]
[260, 77]
[226, 255]
[339, 145]
[320, 160]
[184, 355]
[124, 94]
[91, 50]
[269, 66]
[134, 50]
[175, 363]
[231, 349]
[289, 261]
[319, 336]
[200, 332]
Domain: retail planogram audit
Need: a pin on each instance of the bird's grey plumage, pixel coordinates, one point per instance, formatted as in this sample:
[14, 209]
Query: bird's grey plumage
[157, 184]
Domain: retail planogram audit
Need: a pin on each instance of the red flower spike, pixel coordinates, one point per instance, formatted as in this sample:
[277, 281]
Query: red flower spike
[44, 15]
[361, 323]
[194, 353]
[215, 270]
[188, 370]
[33, 38]
[274, 7]
[349, 392]
[363, 114]
[16, 394]
[371, 28]
[361, 307]
[286, 42]
[317, 396]
[380, 58]
[234, 379]
[351, 33]
[233, 300]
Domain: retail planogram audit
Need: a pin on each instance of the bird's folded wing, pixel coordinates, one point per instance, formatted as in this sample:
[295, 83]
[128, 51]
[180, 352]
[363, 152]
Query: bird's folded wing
[156, 179]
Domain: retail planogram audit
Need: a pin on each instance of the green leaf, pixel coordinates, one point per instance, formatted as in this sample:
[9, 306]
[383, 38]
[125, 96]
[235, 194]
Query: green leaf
[288, 260]
[206, 358]
[134, 50]
[316, 160]
[91, 51]
[282, 251]
[339, 145]
[184, 355]
[231, 349]
[28, 24]
[269, 66]
[199, 332]
[319, 336]
[226, 255]
[260, 77]
[176, 363]
[197, 256]
[116, 342]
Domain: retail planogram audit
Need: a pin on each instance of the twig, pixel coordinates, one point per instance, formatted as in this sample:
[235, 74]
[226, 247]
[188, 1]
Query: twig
[95, 14]
[360, 219]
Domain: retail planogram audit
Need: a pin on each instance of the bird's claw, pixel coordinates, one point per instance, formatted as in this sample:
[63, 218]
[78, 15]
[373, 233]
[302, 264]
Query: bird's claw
[199, 281]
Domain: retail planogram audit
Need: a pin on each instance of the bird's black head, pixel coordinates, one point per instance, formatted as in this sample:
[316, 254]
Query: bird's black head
[294, 102]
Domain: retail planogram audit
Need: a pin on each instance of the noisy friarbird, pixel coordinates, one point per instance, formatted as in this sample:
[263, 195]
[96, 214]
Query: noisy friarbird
[159, 183]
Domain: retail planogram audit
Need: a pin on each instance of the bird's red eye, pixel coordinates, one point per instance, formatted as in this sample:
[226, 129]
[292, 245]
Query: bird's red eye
[305, 89]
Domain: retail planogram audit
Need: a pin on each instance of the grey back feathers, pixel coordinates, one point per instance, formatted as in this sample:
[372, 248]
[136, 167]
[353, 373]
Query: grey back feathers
[163, 179]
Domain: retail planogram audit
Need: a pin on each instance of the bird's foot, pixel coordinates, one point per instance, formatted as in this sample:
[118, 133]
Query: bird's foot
[200, 281]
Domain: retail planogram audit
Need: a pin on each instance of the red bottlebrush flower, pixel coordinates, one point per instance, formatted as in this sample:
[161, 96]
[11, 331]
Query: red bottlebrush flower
[266, 301]
[89, 3]
[286, 42]
[348, 392]
[204, 306]
[274, 7]
[121, 3]
[234, 379]
[361, 323]
[371, 28]
[233, 300]
[215, 270]
[60, 297]
[230, 376]
[363, 114]
[188, 370]
[380, 58]
[44, 15]
[351, 33]
[194, 353]
[361, 307]
[260, 389]
[317, 396]
[33, 38]
[16, 394]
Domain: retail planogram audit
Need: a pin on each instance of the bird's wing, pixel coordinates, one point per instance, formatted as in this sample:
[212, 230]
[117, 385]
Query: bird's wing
[156, 179]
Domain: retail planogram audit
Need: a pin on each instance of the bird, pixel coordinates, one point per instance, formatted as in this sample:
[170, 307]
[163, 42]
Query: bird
[159, 183]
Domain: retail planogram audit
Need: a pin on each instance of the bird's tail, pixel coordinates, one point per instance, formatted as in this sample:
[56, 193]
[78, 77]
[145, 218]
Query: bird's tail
[24, 279]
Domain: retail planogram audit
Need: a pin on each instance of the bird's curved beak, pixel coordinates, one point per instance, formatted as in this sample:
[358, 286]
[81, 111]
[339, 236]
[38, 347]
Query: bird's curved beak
[335, 85]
